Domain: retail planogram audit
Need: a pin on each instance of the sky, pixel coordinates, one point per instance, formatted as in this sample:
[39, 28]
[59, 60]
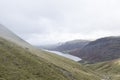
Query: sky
[42, 22]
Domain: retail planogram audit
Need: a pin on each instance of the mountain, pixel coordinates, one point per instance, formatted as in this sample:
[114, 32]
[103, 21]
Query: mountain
[21, 61]
[68, 46]
[103, 49]
[72, 45]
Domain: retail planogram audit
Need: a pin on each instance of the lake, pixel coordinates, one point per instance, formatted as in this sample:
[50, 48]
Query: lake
[65, 55]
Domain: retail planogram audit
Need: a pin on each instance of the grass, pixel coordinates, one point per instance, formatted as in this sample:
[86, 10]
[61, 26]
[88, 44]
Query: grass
[108, 68]
[19, 64]
[29, 63]
[76, 69]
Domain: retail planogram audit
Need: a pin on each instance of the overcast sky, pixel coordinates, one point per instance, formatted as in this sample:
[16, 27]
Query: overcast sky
[50, 21]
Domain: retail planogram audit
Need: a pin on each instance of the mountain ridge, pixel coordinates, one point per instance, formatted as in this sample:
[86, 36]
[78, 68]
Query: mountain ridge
[102, 49]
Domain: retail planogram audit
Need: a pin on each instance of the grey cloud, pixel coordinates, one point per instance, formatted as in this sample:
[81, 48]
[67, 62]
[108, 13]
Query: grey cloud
[59, 17]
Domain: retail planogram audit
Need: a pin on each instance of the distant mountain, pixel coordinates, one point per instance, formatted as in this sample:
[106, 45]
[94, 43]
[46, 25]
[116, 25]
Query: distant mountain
[68, 46]
[72, 45]
[50, 46]
[21, 61]
[103, 49]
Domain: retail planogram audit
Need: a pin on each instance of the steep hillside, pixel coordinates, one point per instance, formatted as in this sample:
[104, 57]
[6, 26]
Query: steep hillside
[103, 49]
[17, 63]
[21, 61]
[7, 34]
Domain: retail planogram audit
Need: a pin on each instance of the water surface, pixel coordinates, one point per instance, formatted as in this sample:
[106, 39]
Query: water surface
[65, 55]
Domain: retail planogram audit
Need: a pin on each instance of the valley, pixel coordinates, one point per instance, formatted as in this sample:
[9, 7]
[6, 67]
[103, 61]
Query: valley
[59, 39]
[21, 61]
[104, 65]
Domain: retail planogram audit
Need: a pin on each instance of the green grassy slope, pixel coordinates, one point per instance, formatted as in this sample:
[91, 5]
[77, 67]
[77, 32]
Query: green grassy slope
[76, 69]
[110, 69]
[18, 63]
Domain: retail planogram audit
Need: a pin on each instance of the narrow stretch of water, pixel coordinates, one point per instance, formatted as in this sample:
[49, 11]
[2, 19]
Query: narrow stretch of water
[65, 55]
